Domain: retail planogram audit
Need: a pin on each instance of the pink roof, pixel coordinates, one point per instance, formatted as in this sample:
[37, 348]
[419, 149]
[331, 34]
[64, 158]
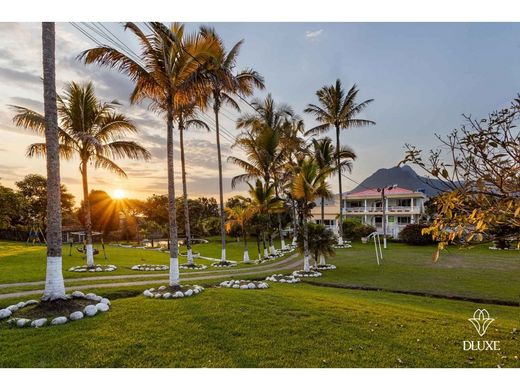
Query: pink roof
[374, 192]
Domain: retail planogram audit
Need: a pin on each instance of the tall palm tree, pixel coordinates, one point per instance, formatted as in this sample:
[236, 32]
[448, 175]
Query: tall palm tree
[186, 117]
[240, 215]
[265, 203]
[54, 285]
[91, 130]
[309, 183]
[225, 84]
[338, 111]
[169, 72]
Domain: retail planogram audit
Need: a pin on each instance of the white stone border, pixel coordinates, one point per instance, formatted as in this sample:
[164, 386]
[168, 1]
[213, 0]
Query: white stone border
[228, 264]
[344, 246]
[196, 268]
[103, 305]
[150, 267]
[323, 267]
[188, 291]
[280, 278]
[244, 284]
[302, 274]
[95, 268]
[503, 249]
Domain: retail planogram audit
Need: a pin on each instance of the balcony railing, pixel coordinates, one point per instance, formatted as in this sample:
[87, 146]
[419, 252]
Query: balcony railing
[390, 209]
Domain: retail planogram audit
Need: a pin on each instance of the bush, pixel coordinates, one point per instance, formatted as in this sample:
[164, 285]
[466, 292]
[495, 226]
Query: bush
[353, 229]
[412, 234]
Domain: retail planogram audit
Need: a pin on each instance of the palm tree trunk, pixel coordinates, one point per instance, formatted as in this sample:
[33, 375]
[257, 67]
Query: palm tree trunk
[282, 241]
[258, 246]
[340, 222]
[306, 265]
[216, 107]
[172, 216]
[246, 250]
[89, 251]
[295, 223]
[185, 196]
[322, 211]
[266, 253]
[54, 285]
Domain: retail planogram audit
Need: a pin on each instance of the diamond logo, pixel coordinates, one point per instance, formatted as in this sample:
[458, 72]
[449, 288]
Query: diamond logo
[481, 321]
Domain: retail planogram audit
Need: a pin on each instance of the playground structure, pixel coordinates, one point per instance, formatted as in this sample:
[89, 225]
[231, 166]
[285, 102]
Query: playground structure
[377, 245]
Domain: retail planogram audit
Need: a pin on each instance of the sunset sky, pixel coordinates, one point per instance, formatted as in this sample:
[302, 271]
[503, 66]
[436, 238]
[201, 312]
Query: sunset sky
[422, 77]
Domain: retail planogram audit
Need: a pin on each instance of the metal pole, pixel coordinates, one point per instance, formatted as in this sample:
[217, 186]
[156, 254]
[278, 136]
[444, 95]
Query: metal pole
[383, 206]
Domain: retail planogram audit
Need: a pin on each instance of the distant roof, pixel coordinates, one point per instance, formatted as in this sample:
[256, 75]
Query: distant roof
[374, 192]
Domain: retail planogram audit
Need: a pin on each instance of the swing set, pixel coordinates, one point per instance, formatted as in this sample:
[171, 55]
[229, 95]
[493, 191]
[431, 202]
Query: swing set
[377, 245]
[83, 247]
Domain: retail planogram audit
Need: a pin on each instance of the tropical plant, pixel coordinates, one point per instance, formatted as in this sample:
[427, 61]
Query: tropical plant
[225, 84]
[412, 234]
[321, 243]
[338, 111]
[309, 183]
[54, 285]
[169, 72]
[91, 130]
[240, 215]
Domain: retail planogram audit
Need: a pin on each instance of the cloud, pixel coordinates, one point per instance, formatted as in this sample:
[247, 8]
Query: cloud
[16, 77]
[313, 35]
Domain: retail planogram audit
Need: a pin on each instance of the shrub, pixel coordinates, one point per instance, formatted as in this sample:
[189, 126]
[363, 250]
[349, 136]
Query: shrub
[412, 234]
[321, 241]
[353, 229]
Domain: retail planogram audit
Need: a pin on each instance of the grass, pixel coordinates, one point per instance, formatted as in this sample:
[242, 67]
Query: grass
[284, 326]
[477, 272]
[25, 263]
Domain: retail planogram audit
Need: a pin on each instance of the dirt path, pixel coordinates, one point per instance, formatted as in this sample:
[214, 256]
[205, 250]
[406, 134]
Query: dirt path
[289, 263]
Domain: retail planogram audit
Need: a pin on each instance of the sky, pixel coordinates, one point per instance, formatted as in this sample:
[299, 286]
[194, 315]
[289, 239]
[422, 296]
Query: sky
[422, 77]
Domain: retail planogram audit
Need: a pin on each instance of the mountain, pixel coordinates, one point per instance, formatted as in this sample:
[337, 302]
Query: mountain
[404, 177]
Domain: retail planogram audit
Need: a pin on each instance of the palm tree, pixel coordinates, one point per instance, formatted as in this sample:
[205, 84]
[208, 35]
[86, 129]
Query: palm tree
[170, 74]
[240, 215]
[186, 117]
[54, 285]
[309, 183]
[339, 111]
[264, 202]
[224, 84]
[91, 130]
[321, 243]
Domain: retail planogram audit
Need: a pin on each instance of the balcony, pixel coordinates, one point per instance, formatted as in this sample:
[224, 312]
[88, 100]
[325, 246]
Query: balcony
[390, 210]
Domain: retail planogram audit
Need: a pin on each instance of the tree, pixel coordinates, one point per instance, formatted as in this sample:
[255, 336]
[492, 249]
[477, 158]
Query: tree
[309, 183]
[240, 215]
[54, 285]
[224, 84]
[339, 111]
[13, 208]
[324, 155]
[105, 212]
[478, 171]
[169, 73]
[33, 188]
[321, 243]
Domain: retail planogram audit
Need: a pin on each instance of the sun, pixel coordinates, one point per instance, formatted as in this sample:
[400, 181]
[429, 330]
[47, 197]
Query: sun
[118, 194]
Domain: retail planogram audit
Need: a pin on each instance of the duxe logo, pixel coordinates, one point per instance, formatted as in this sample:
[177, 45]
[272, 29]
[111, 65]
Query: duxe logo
[481, 321]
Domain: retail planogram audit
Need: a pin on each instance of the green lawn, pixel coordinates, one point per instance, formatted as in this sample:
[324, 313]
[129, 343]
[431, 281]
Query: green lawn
[284, 326]
[24, 263]
[477, 272]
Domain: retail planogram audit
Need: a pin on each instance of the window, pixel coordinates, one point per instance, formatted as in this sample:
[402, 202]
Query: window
[391, 219]
[379, 219]
[404, 202]
[354, 203]
[329, 222]
[404, 220]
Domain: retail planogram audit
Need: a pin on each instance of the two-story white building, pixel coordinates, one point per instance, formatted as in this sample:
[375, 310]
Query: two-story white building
[402, 207]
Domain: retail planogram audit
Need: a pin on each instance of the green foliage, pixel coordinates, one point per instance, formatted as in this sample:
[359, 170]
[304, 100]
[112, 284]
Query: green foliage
[354, 229]
[412, 234]
[321, 241]
[13, 208]
[211, 226]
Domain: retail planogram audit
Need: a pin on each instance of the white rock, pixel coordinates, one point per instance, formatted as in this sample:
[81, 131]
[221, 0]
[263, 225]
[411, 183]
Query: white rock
[147, 293]
[188, 293]
[224, 284]
[135, 267]
[12, 308]
[31, 302]
[105, 301]
[20, 305]
[39, 322]
[59, 321]
[244, 287]
[77, 315]
[91, 296]
[78, 294]
[167, 295]
[162, 288]
[99, 269]
[4, 313]
[151, 289]
[22, 322]
[263, 285]
[178, 294]
[90, 310]
[102, 307]
[251, 285]
[157, 295]
[236, 286]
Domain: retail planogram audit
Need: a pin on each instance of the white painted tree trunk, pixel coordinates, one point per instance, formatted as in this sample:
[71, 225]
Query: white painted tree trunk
[306, 264]
[54, 286]
[190, 256]
[223, 255]
[272, 250]
[174, 271]
[283, 244]
[246, 256]
[266, 254]
[322, 260]
[295, 241]
[89, 250]
[340, 240]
